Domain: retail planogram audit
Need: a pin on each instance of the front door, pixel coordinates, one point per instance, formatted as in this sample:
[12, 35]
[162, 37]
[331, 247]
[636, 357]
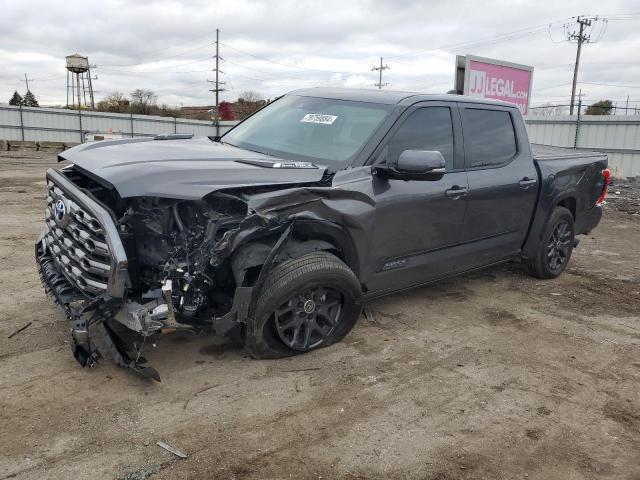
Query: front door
[418, 222]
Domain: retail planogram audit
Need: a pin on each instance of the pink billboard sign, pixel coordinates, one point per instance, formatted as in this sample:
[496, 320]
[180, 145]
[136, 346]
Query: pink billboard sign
[498, 80]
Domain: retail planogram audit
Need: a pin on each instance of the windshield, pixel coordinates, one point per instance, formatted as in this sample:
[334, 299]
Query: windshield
[322, 130]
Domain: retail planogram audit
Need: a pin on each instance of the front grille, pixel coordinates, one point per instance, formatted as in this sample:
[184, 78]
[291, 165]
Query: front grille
[82, 239]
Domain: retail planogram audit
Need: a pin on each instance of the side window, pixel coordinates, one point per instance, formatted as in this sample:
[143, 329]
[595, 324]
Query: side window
[489, 136]
[428, 128]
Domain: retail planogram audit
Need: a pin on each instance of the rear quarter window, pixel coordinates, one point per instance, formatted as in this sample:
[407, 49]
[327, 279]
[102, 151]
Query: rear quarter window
[489, 136]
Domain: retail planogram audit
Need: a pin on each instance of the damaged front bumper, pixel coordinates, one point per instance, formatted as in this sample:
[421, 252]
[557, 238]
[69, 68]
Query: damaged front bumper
[83, 267]
[106, 327]
[94, 326]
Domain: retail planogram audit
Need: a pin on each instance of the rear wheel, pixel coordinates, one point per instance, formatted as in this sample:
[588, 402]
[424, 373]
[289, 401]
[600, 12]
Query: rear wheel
[556, 247]
[305, 303]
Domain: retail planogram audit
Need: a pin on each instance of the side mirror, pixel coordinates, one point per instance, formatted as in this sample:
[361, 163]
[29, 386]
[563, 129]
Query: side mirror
[417, 165]
[420, 162]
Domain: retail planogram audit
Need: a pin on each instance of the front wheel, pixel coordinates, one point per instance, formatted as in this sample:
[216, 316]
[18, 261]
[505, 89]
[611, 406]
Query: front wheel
[304, 304]
[556, 247]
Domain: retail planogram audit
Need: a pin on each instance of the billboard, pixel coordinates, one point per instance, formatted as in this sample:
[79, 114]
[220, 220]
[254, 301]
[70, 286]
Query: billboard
[489, 78]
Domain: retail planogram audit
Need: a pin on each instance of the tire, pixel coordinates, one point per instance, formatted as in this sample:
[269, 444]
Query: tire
[556, 246]
[315, 295]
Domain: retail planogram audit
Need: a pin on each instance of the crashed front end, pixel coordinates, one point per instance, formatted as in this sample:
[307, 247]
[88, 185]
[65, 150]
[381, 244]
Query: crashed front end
[124, 270]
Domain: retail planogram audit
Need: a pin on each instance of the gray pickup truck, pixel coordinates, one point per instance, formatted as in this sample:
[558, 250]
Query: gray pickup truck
[277, 232]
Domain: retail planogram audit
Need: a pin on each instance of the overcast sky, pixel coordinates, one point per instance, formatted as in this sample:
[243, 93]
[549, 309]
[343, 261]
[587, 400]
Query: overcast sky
[276, 46]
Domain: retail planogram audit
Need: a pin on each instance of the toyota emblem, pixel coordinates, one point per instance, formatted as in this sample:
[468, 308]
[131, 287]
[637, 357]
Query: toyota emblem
[60, 210]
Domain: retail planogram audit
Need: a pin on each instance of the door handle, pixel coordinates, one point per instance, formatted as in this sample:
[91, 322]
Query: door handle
[456, 192]
[527, 182]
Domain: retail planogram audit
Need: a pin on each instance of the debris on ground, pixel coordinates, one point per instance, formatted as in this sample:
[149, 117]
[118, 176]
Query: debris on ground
[624, 195]
[24, 327]
[171, 449]
[142, 473]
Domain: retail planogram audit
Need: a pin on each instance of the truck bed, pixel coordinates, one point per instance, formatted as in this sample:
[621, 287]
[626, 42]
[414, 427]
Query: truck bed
[570, 178]
[547, 152]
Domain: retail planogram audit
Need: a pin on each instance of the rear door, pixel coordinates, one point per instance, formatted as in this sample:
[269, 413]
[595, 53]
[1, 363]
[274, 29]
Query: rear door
[502, 184]
[418, 222]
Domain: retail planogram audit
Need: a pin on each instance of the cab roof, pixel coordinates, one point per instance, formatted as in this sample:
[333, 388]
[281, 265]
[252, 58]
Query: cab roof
[390, 97]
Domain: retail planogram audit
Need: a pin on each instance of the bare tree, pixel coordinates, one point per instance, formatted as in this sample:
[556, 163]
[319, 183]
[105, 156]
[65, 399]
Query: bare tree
[143, 100]
[547, 110]
[248, 102]
[250, 96]
[116, 103]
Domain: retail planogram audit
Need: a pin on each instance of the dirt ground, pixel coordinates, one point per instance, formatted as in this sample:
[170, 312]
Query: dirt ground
[491, 375]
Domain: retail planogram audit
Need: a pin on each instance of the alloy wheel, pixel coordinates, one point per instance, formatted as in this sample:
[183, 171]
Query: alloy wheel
[308, 318]
[559, 245]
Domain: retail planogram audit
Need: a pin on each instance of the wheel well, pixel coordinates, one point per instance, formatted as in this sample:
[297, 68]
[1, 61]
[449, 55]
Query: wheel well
[570, 204]
[247, 262]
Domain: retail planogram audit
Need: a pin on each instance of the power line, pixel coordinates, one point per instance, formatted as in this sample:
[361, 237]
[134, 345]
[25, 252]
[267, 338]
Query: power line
[296, 68]
[492, 39]
[564, 65]
[249, 68]
[611, 85]
[160, 58]
[245, 76]
[618, 16]
[119, 70]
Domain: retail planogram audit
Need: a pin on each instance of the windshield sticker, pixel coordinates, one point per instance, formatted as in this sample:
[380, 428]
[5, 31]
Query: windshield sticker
[319, 118]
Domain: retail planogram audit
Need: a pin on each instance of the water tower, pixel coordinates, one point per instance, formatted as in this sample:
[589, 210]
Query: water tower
[79, 82]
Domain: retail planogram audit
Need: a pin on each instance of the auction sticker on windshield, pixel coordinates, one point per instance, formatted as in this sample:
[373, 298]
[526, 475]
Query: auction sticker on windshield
[319, 118]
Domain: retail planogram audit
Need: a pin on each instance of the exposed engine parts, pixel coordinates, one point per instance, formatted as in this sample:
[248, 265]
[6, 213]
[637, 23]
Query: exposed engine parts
[169, 244]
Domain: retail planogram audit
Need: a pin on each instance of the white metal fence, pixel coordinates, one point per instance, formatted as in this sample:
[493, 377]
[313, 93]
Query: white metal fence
[618, 136]
[62, 125]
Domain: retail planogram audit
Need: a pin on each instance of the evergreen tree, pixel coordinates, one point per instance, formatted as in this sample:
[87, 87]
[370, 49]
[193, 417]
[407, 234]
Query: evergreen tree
[30, 100]
[16, 100]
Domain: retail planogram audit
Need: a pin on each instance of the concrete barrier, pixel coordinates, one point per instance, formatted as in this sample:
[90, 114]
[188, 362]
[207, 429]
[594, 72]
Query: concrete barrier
[51, 147]
[22, 146]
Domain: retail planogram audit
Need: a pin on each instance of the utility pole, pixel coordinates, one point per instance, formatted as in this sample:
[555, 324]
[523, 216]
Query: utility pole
[217, 83]
[626, 106]
[380, 69]
[581, 37]
[26, 81]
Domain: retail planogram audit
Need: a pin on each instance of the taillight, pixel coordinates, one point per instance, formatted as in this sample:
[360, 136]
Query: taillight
[605, 180]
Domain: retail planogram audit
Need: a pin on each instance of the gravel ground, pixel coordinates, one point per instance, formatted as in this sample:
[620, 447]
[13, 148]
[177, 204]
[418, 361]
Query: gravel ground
[624, 195]
[490, 375]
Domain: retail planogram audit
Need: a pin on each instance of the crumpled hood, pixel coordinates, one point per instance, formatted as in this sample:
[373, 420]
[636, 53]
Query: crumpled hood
[180, 168]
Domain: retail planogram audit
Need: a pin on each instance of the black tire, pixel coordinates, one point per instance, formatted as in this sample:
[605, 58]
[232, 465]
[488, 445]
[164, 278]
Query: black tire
[277, 314]
[556, 246]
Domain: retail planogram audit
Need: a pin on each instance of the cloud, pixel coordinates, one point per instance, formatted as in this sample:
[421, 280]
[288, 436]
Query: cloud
[273, 47]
